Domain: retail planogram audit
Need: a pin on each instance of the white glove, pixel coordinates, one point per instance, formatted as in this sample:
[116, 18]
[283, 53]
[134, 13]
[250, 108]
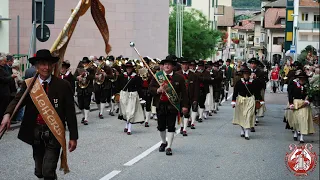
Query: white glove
[261, 102]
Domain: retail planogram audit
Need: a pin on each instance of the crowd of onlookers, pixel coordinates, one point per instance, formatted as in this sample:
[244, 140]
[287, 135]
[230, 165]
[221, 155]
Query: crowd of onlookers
[10, 82]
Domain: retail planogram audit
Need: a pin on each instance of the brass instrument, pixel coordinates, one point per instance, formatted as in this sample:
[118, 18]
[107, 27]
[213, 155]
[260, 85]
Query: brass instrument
[100, 73]
[84, 83]
[143, 73]
[115, 76]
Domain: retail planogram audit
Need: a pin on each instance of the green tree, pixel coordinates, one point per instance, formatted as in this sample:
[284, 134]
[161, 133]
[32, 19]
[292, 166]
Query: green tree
[199, 40]
[303, 57]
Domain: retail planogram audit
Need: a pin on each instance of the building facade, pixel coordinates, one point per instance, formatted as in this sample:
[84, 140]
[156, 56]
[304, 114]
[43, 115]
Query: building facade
[308, 25]
[146, 22]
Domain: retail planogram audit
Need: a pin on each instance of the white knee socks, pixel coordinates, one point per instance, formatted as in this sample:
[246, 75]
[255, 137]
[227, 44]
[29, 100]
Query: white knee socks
[82, 112]
[201, 110]
[112, 107]
[128, 126]
[193, 117]
[170, 139]
[86, 114]
[301, 137]
[246, 132]
[163, 137]
[185, 123]
[242, 131]
[102, 106]
[295, 134]
[148, 114]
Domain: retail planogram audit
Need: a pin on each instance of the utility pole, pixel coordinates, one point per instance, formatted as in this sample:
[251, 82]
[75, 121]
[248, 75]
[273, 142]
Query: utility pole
[179, 27]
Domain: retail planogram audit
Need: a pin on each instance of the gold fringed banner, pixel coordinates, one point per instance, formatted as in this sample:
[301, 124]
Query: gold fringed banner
[98, 14]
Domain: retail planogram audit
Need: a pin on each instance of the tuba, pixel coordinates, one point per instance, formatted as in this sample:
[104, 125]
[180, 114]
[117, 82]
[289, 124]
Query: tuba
[99, 72]
[84, 83]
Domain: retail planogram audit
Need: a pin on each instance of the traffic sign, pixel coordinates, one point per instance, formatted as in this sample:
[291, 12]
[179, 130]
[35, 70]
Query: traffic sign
[293, 49]
[46, 33]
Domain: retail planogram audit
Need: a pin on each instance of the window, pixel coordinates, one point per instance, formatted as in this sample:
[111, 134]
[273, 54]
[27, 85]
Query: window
[241, 37]
[303, 37]
[304, 17]
[282, 21]
[278, 40]
[251, 52]
[185, 2]
[257, 40]
[262, 38]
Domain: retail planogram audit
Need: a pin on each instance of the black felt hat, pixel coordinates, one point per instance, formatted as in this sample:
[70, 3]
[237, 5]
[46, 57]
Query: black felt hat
[101, 58]
[245, 70]
[66, 64]
[43, 55]
[253, 60]
[129, 64]
[228, 60]
[301, 74]
[201, 63]
[216, 64]
[85, 60]
[170, 59]
[110, 58]
[184, 60]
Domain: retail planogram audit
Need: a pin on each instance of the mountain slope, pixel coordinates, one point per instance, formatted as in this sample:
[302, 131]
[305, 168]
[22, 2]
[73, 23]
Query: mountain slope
[246, 3]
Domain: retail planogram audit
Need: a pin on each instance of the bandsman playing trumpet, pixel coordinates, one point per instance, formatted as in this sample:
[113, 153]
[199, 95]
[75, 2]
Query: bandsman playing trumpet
[67, 75]
[102, 85]
[85, 76]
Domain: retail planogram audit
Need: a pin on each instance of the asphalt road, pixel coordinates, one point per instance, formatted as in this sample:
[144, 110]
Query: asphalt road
[214, 150]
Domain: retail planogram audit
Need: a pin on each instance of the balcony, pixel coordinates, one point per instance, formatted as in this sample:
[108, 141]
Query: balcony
[309, 26]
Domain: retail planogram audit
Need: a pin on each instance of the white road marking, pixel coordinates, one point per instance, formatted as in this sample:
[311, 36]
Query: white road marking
[142, 155]
[110, 175]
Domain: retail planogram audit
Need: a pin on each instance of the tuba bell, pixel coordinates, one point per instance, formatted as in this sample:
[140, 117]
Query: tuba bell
[84, 83]
[99, 72]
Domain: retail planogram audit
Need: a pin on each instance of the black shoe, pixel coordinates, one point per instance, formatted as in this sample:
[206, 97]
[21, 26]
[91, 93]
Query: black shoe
[215, 112]
[295, 138]
[117, 111]
[100, 116]
[246, 138]
[242, 135]
[192, 126]
[146, 124]
[200, 120]
[162, 147]
[85, 122]
[220, 104]
[210, 114]
[82, 121]
[252, 129]
[226, 99]
[189, 124]
[301, 142]
[184, 133]
[181, 130]
[111, 113]
[120, 117]
[169, 152]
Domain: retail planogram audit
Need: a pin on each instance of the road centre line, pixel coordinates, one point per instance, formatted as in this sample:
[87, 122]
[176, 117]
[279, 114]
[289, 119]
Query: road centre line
[110, 175]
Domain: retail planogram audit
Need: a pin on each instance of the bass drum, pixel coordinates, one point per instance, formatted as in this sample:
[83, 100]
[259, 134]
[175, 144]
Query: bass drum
[116, 98]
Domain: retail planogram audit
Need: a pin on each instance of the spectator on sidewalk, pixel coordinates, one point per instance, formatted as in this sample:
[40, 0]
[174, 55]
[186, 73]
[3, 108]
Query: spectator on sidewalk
[5, 80]
[18, 82]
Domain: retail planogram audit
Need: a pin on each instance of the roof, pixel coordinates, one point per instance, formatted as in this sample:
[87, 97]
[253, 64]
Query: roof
[308, 3]
[277, 4]
[246, 25]
[256, 18]
[228, 18]
[272, 17]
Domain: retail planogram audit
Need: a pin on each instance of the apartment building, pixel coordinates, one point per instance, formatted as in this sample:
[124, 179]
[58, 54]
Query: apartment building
[274, 24]
[308, 25]
[244, 31]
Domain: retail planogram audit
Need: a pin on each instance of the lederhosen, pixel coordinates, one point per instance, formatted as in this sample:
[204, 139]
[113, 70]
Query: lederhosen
[84, 94]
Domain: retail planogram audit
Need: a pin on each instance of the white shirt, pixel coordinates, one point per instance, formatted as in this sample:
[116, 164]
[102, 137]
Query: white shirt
[47, 80]
[168, 74]
[185, 72]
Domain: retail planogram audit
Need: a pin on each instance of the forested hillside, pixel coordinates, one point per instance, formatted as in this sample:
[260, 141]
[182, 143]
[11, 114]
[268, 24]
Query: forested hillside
[246, 3]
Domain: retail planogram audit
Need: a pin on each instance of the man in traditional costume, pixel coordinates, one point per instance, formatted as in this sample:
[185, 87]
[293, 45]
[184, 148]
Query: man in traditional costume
[102, 85]
[209, 103]
[217, 77]
[67, 75]
[193, 66]
[245, 94]
[84, 77]
[260, 76]
[300, 105]
[49, 108]
[191, 82]
[145, 94]
[168, 97]
[116, 70]
[130, 107]
[228, 73]
[204, 80]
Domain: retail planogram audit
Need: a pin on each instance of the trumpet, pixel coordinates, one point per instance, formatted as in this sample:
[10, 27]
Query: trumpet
[115, 76]
[84, 83]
